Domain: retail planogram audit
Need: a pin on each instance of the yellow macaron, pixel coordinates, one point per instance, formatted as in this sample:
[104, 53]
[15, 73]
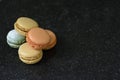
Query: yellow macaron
[29, 55]
[24, 24]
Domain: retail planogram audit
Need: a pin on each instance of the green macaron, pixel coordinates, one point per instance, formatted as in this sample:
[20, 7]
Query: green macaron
[14, 39]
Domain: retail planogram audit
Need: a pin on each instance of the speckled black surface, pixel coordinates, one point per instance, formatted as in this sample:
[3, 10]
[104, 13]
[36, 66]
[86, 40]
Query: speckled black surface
[88, 35]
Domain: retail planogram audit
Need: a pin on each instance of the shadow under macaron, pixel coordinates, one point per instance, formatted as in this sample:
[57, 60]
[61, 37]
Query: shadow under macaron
[48, 54]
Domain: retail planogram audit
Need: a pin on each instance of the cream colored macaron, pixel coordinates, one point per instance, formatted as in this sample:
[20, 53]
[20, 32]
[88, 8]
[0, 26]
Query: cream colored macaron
[24, 24]
[29, 55]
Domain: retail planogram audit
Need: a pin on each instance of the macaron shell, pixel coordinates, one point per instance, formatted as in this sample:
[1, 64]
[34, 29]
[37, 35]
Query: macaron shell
[27, 23]
[53, 40]
[14, 37]
[19, 31]
[28, 51]
[35, 46]
[24, 24]
[50, 46]
[13, 45]
[38, 36]
[29, 54]
[29, 61]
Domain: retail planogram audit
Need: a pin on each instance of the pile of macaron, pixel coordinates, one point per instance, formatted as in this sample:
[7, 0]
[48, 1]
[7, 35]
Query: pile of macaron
[30, 39]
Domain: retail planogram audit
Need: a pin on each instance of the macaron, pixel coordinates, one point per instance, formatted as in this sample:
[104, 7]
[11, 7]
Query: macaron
[24, 24]
[53, 40]
[29, 55]
[38, 38]
[14, 39]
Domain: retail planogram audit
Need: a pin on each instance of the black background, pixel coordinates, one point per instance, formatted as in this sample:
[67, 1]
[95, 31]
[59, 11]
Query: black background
[88, 34]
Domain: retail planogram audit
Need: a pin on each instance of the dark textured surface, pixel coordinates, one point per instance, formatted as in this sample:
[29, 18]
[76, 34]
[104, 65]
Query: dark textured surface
[88, 35]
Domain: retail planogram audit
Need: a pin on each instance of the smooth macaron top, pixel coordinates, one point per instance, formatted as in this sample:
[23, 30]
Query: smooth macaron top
[26, 23]
[38, 36]
[28, 52]
[14, 37]
[53, 39]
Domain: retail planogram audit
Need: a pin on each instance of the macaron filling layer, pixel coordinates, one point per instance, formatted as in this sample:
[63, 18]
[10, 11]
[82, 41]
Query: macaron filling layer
[29, 59]
[20, 27]
[13, 43]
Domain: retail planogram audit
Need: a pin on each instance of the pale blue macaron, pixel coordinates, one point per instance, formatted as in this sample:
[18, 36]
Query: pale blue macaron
[14, 39]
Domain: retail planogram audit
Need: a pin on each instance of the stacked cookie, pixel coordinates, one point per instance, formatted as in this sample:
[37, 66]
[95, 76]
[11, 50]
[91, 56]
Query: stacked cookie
[30, 39]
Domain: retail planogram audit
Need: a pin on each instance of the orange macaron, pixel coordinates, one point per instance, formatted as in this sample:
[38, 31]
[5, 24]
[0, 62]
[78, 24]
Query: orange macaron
[53, 40]
[38, 38]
